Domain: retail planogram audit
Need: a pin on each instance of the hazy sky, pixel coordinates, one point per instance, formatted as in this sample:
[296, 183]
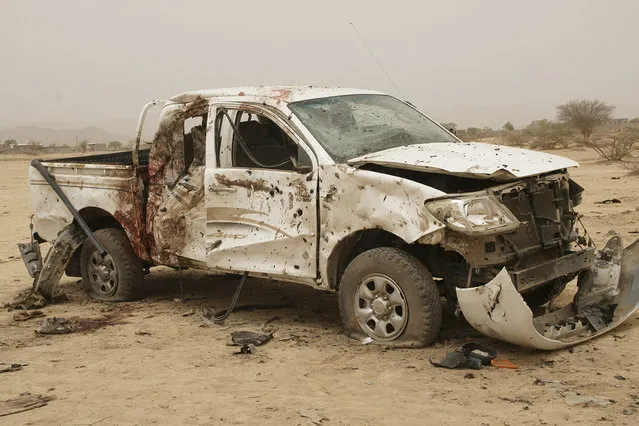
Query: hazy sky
[73, 63]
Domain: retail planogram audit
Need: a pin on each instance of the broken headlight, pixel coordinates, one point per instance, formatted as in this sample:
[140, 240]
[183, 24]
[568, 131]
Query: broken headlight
[481, 214]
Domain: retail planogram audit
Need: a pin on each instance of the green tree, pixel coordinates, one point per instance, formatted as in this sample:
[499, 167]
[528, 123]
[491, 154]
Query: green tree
[585, 115]
[508, 126]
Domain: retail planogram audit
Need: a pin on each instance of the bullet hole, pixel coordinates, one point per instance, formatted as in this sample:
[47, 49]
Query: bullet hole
[272, 193]
[299, 212]
[304, 239]
[312, 191]
[249, 172]
[336, 175]
[296, 266]
[305, 255]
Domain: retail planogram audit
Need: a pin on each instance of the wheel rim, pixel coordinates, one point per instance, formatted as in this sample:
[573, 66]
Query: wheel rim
[380, 307]
[103, 274]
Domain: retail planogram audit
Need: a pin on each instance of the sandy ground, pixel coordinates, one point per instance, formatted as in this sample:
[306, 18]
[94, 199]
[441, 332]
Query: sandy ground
[182, 371]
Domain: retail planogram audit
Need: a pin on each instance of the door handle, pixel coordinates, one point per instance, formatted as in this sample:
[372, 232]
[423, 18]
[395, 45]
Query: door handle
[221, 189]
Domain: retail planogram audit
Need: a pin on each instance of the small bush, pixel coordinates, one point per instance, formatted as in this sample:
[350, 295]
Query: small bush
[515, 138]
[616, 146]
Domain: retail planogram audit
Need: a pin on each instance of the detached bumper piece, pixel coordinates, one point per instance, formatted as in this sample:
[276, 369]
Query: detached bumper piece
[608, 293]
[46, 276]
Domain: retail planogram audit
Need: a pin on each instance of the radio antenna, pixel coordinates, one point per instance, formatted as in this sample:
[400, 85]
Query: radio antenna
[399, 92]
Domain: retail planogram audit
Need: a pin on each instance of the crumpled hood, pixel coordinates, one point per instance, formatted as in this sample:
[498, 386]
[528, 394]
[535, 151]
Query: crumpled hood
[468, 159]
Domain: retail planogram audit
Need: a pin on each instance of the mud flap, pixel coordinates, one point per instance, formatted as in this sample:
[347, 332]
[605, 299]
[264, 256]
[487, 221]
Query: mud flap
[57, 259]
[608, 294]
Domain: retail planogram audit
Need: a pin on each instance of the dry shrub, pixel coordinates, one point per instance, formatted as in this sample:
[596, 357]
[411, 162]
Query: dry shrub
[616, 146]
[515, 138]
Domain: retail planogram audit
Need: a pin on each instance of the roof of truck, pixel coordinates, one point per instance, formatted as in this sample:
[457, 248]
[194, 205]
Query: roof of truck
[282, 93]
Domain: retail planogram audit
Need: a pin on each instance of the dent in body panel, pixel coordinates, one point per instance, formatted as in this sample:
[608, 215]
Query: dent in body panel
[352, 200]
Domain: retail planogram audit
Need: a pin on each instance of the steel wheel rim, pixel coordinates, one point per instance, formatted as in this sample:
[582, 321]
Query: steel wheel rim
[380, 307]
[103, 274]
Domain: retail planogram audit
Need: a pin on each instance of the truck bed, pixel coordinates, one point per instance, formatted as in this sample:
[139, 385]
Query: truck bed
[121, 158]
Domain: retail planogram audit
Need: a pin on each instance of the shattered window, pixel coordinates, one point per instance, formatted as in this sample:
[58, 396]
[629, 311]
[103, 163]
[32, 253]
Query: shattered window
[354, 125]
[255, 141]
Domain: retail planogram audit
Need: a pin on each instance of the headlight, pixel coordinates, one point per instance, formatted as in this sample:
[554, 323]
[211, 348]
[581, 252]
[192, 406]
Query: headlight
[481, 214]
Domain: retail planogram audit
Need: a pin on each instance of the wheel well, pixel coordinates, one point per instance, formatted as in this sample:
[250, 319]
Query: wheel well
[353, 245]
[97, 218]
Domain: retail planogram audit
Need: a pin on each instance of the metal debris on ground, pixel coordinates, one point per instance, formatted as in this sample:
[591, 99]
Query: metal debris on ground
[367, 341]
[241, 338]
[619, 377]
[312, 415]
[55, 325]
[470, 355]
[9, 368]
[142, 333]
[24, 402]
[572, 399]
[27, 315]
[246, 350]
[28, 300]
[609, 201]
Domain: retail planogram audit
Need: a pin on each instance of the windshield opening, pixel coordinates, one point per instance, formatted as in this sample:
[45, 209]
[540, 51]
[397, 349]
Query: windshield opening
[350, 126]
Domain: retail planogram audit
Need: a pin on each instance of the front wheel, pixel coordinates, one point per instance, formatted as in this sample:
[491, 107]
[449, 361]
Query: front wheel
[115, 277]
[389, 295]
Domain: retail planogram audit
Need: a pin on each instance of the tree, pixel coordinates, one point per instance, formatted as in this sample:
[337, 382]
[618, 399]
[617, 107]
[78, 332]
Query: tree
[584, 115]
[508, 126]
[10, 143]
[114, 146]
[83, 145]
[548, 134]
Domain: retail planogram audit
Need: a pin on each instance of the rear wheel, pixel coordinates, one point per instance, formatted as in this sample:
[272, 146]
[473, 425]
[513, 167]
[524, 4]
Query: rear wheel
[389, 295]
[115, 277]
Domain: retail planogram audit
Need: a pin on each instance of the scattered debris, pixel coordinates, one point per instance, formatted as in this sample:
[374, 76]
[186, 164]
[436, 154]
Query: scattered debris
[619, 377]
[24, 402]
[542, 382]
[572, 399]
[27, 315]
[609, 201]
[504, 363]
[142, 333]
[10, 368]
[470, 355]
[55, 325]
[629, 411]
[518, 399]
[312, 415]
[246, 350]
[469, 376]
[188, 313]
[615, 178]
[241, 338]
[367, 341]
[28, 300]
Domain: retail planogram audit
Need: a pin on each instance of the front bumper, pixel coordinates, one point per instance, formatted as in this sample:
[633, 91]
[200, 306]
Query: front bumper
[608, 294]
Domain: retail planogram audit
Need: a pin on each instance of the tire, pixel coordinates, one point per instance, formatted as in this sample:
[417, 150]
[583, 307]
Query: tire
[117, 277]
[542, 294]
[385, 286]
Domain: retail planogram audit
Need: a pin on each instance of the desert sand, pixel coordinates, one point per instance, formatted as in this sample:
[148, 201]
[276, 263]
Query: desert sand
[158, 360]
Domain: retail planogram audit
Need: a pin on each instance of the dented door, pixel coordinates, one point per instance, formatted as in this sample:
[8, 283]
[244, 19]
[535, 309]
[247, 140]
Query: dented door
[261, 220]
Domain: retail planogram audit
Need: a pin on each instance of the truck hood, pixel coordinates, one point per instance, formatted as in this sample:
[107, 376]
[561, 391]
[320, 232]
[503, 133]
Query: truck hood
[472, 159]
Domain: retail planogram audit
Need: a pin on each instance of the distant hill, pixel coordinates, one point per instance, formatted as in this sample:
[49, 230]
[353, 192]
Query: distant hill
[46, 136]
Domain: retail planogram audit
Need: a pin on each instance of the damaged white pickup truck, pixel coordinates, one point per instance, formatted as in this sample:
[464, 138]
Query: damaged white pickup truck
[346, 190]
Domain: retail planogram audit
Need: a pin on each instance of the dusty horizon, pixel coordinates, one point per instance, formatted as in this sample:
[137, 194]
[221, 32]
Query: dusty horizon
[72, 64]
